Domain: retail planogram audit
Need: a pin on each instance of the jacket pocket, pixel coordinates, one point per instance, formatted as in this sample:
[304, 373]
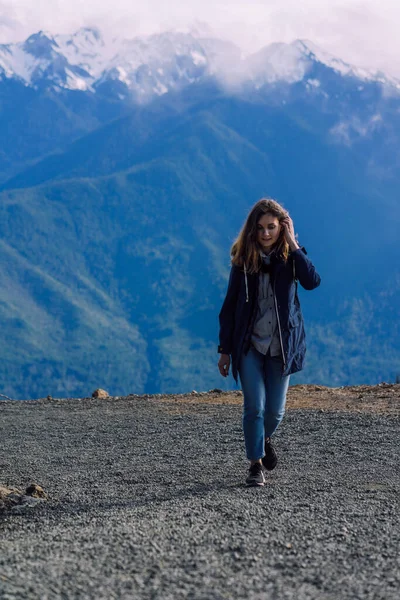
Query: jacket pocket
[295, 319]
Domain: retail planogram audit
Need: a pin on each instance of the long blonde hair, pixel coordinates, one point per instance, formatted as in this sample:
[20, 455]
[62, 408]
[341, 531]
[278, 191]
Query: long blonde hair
[245, 249]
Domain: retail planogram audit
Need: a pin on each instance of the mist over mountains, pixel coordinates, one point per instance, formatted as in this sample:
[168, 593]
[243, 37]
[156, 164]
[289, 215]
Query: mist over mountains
[126, 171]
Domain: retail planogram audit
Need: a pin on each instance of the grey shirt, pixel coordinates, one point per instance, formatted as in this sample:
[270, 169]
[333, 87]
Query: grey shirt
[265, 333]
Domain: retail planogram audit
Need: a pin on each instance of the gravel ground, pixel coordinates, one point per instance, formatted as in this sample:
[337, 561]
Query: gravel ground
[146, 501]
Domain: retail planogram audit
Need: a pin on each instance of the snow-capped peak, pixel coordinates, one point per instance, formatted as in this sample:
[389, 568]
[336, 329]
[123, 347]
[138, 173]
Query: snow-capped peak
[40, 45]
[277, 62]
[294, 62]
[315, 53]
[86, 49]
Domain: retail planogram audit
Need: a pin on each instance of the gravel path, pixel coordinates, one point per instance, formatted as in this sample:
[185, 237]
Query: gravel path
[146, 501]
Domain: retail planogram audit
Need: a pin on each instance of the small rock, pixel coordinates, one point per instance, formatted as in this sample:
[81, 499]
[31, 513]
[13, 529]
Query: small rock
[14, 500]
[216, 391]
[49, 397]
[5, 492]
[35, 491]
[9, 497]
[99, 393]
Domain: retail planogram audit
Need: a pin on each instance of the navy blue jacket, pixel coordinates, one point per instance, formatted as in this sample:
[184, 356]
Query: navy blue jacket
[239, 310]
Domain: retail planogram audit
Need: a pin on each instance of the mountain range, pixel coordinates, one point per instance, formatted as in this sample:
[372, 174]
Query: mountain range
[126, 170]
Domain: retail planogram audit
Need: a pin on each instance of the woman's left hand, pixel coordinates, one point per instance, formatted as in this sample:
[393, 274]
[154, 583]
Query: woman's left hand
[288, 230]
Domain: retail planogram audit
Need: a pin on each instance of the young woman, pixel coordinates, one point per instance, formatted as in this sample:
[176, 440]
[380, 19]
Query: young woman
[261, 325]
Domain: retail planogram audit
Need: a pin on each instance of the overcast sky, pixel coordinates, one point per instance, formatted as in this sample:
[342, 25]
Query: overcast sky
[364, 32]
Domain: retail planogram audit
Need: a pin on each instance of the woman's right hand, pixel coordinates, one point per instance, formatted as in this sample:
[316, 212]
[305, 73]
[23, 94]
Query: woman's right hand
[224, 364]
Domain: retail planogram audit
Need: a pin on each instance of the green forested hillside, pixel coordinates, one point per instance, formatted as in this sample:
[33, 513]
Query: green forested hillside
[115, 253]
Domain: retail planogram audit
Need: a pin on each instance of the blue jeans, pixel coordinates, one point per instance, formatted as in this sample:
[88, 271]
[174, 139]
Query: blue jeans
[264, 394]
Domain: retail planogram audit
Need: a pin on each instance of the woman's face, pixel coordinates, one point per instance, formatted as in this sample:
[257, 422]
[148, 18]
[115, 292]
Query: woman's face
[268, 229]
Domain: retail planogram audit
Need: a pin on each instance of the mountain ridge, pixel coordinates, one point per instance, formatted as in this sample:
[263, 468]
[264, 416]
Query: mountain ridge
[147, 66]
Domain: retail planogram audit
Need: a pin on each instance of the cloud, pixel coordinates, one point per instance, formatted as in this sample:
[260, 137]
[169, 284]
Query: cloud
[361, 32]
[8, 21]
[349, 130]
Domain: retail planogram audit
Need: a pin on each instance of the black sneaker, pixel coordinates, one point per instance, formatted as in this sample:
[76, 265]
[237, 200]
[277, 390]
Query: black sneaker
[270, 459]
[256, 475]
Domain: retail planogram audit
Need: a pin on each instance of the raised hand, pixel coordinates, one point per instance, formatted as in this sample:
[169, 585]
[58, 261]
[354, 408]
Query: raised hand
[288, 230]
